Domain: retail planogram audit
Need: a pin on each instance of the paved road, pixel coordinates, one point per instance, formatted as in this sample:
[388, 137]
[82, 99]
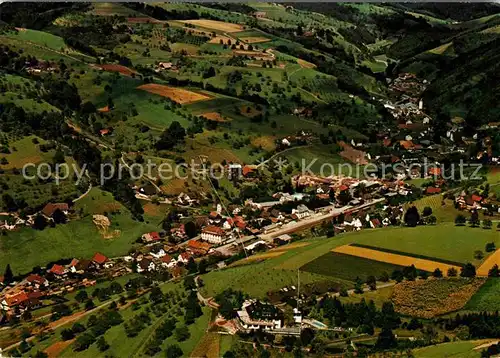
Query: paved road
[316, 219]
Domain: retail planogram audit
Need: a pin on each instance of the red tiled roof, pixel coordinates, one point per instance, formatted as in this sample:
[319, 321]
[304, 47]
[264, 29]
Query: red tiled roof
[343, 187]
[406, 144]
[213, 215]
[57, 270]
[16, 299]
[35, 278]
[247, 170]
[213, 230]
[195, 244]
[433, 190]
[166, 259]
[434, 171]
[50, 208]
[185, 255]
[99, 258]
[476, 198]
[74, 262]
[376, 222]
[154, 235]
[35, 294]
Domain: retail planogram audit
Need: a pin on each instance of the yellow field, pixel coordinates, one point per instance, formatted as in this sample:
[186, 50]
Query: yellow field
[492, 30]
[258, 257]
[254, 40]
[491, 261]
[395, 259]
[289, 246]
[215, 25]
[179, 95]
[305, 64]
[441, 49]
[267, 142]
[256, 54]
[225, 39]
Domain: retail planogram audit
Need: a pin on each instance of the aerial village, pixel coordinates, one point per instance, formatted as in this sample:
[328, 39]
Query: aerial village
[325, 205]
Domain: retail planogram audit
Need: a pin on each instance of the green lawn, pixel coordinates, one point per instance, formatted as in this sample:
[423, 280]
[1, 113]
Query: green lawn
[453, 349]
[27, 247]
[40, 38]
[347, 267]
[256, 279]
[486, 299]
[24, 151]
[378, 296]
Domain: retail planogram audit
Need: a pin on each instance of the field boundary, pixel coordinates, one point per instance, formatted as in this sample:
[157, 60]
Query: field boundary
[402, 253]
[493, 259]
[401, 260]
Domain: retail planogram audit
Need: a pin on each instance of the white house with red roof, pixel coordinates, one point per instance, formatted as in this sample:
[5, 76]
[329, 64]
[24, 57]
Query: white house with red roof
[184, 257]
[213, 234]
[168, 261]
[99, 260]
[37, 281]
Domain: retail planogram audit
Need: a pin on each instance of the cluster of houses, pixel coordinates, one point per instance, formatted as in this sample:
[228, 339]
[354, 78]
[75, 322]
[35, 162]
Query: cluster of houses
[13, 221]
[28, 293]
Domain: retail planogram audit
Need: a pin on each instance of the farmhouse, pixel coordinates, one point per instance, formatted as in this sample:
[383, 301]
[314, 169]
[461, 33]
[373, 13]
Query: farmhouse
[184, 257]
[256, 315]
[198, 247]
[213, 234]
[151, 236]
[168, 261]
[9, 302]
[37, 281]
[146, 264]
[57, 270]
[259, 14]
[302, 211]
[99, 260]
[50, 208]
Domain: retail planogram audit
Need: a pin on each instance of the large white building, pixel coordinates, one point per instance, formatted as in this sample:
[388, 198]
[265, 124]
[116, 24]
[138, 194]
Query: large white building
[256, 315]
[213, 234]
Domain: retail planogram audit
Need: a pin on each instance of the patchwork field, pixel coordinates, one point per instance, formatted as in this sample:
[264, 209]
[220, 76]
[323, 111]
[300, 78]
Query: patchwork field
[348, 267]
[434, 297]
[178, 95]
[394, 259]
[445, 242]
[215, 25]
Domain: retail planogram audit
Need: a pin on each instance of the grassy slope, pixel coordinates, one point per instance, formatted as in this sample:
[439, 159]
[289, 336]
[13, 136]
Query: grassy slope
[486, 299]
[453, 349]
[27, 247]
[348, 267]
